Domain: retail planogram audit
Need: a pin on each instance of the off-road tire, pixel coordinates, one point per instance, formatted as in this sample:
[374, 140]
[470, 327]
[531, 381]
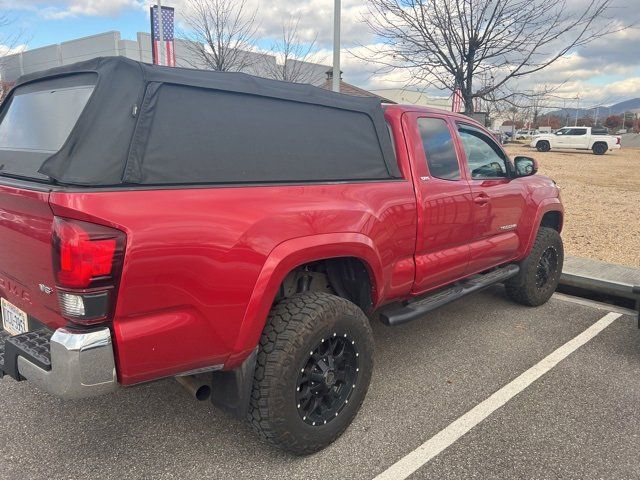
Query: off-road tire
[600, 148]
[543, 146]
[524, 287]
[295, 327]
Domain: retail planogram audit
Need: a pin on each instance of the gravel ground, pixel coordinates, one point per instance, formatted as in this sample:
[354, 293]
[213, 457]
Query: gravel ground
[601, 195]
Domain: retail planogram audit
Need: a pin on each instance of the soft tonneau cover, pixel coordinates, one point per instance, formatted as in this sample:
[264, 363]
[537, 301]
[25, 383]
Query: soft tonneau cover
[346, 137]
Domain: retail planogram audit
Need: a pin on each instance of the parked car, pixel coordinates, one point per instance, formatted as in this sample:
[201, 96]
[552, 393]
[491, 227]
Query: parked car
[236, 233]
[581, 138]
[524, 134]
[498, 135]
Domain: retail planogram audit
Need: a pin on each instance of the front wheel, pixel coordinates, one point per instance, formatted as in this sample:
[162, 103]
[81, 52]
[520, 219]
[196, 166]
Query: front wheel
[313, 370]
[540, 271]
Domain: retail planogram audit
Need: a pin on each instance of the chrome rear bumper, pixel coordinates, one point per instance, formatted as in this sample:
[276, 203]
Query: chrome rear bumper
[81, 363]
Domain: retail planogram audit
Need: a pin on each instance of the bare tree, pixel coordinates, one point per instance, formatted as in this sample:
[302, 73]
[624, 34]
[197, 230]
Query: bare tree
[446, 44]
[293, 55]
[9, 44]
[541, 97]
[221, 33]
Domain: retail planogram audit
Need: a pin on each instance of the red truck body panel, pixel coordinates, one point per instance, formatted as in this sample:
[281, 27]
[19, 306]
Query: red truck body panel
[195, 256]
[25, 253]
[203, 265]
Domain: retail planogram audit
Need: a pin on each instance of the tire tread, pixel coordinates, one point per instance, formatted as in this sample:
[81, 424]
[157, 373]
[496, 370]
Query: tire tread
[289, 323]
[521, 288]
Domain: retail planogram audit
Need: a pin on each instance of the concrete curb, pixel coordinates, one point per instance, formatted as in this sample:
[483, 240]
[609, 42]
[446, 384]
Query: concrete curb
[602, 278]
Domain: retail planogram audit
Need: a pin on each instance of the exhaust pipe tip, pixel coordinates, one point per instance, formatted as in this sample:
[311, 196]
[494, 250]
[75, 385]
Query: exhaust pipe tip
[198, 386]
[203, 393]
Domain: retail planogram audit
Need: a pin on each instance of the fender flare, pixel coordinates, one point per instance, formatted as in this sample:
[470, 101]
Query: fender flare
[546, 206]
[287, 256]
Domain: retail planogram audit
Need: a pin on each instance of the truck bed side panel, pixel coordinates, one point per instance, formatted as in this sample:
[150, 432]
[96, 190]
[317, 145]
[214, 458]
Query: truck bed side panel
[193, 257]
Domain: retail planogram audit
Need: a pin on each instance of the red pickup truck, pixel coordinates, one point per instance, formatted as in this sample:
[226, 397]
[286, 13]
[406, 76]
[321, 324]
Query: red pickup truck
[238, 233]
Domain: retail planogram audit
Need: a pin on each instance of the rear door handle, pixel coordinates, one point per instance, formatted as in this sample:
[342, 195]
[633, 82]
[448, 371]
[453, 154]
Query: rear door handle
[482, 199]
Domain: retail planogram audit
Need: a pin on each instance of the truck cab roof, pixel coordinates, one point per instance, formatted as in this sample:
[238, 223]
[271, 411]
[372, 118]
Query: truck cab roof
[398, 109]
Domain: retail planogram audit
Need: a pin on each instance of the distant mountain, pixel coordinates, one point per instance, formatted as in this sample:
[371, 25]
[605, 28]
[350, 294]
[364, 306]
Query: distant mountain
[626, 106]
[615, 109]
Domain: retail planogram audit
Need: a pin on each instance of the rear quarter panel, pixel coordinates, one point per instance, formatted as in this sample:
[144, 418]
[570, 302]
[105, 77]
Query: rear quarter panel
[194, 258]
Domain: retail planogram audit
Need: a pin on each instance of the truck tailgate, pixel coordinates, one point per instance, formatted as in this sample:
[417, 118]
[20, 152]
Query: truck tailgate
[26, 271]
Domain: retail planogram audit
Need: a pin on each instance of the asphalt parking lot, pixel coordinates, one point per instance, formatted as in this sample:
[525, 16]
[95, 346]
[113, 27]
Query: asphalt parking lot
[581, 419]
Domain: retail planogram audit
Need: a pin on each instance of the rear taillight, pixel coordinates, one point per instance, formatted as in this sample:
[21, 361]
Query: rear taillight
[87, 262]
[617, 140]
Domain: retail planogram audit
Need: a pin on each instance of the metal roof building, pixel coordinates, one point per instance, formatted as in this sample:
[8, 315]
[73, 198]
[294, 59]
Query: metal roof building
[111, 44]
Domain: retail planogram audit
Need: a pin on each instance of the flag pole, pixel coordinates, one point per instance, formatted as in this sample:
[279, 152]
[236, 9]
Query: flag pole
[336, 46]
[160, 32]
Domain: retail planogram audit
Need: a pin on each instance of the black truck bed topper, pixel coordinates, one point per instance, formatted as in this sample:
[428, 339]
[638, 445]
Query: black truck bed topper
[222, 128]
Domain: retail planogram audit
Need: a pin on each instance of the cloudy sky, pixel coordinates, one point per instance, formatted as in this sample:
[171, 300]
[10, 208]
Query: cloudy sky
[605, 72]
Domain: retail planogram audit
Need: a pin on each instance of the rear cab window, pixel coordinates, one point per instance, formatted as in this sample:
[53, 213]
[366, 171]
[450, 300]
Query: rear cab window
[36, 120]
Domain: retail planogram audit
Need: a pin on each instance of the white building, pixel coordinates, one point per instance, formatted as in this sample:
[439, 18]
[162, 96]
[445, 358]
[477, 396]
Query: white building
[111, 44]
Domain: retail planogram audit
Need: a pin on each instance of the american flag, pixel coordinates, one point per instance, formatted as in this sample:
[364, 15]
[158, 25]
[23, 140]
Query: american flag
[167, 33]
[457, 101]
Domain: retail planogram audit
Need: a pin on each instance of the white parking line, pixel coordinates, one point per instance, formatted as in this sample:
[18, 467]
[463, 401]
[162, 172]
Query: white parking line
[450, 434]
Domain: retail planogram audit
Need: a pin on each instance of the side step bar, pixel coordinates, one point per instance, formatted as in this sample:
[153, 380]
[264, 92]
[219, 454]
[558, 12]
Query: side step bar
[399, 314]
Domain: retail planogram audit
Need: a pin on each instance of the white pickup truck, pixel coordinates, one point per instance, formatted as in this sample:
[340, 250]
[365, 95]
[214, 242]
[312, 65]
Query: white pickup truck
[582, 138]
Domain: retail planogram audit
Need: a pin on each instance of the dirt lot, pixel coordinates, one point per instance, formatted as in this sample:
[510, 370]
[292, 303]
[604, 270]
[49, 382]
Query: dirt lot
[601, 195]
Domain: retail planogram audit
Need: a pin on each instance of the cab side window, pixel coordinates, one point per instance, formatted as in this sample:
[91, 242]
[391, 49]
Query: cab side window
[485, 159]
[439, 148]
[577, 131]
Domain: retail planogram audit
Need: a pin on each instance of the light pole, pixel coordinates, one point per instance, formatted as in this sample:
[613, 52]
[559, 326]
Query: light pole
[336, 46]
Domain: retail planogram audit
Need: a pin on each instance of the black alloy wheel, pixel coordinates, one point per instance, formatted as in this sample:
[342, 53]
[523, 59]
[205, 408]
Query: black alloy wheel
[540, 271]
[547, 266]
[312, 373]
[327, 379]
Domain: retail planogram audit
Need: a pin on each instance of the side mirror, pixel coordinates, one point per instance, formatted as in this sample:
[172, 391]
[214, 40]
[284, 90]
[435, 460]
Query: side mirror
[525, 166]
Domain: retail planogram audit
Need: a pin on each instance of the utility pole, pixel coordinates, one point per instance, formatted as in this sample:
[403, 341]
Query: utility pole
[597, 112]
[336, 46]
[160, 32]
[577, 109]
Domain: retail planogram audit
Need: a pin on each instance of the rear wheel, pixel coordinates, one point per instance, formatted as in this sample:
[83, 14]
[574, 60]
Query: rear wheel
[543, 146]
[600, 148]
[540, 271]
[313, 370]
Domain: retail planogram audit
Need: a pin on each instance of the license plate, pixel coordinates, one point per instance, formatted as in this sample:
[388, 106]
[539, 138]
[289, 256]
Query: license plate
[14, 320]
